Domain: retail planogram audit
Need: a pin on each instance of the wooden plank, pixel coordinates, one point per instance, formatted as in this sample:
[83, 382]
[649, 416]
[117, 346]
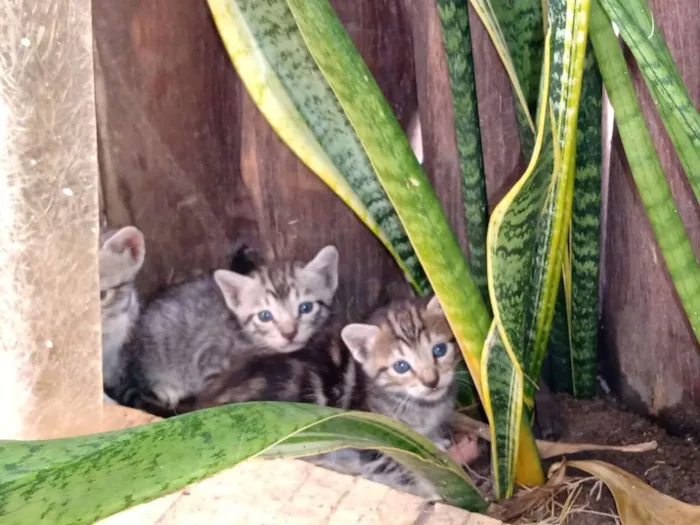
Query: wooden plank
[187, 157]
[503, 161]
[49, 338]
[168, 117]
[441, 160]
[652, 354]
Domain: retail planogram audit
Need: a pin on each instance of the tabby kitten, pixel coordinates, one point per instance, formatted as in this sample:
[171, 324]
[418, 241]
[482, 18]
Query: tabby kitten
[322, 373]
[196, 330]
[407, 355]
[121, 256]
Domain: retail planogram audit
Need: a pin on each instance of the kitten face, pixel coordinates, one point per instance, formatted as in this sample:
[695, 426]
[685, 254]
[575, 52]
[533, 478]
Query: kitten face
[283, 306]
[411, 351]
[121, 258]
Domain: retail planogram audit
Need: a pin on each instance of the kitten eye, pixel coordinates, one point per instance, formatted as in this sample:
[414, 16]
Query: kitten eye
[401, 367]
[265, 316]
[439, 350]
[306, 308]
[106, 295]
[103, 294]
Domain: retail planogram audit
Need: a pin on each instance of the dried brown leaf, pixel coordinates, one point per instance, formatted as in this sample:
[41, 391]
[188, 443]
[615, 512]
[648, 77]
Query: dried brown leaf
[637, 502]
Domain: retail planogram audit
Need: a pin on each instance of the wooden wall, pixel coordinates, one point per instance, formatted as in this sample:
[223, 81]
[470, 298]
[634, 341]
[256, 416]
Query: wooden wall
[186, 156]
[652, 356]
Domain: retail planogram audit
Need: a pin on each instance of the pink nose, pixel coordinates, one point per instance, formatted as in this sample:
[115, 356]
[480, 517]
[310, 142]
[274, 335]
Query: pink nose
[431, 381]
[289, 332]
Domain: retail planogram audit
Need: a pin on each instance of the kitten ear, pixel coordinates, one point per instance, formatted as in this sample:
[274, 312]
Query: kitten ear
[129, 247]
[232, 286]
[434, 306]
[359, 338]
[325, 264]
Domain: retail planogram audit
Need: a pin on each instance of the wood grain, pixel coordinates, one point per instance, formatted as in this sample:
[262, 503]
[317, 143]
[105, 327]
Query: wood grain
[169, 120]
[187, 157]
[651, 352]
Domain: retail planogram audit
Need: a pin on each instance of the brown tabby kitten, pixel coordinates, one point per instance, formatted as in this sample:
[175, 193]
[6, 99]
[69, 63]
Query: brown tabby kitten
[403, 367]
[322, 373]
[408, 355]
[195, 330]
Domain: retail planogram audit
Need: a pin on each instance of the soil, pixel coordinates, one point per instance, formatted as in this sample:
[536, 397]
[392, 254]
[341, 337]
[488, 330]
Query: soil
[673, 468]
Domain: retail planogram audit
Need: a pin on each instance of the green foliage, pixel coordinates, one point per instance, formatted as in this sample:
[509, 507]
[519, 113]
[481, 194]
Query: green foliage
[274, 62]
[399, 173]
[645, 165]
[454, 18]
[678, 113]
[585, 237]
[80, 480]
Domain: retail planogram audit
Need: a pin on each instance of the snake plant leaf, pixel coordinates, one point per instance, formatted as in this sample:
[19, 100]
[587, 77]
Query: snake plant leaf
[523, 30]
[522, 68]
[557, 368]
[527, 240]
[510, 428]
[454, 18]
[274, 63]
[646, 168]
[584, 262]
[519, 25]
[82, 479]
[399, 173]
[678, 113]
[637, 502]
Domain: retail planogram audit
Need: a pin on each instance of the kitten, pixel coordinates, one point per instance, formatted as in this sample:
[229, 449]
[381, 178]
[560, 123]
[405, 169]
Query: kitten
[196, 330]
[322, 373]
[121, 257]
[407, 355]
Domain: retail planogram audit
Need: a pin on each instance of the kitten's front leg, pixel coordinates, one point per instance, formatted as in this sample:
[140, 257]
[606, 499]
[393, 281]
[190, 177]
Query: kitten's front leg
[167, 394]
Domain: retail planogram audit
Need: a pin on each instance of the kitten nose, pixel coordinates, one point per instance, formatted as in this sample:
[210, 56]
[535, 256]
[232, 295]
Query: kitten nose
[288, 330]
[431, 381]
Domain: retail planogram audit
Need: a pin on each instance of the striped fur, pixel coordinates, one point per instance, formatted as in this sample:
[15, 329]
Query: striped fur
[422, 397]
[195, 330]
[121, 257]
[322, 373]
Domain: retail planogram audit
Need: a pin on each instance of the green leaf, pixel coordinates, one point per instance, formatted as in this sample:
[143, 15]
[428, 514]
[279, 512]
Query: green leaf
[454, 17]
[523, 32]
[527, 240]
[399, 173]
[282, 78]
[585, 234]
[645, 166]
[80, 480]
[678, 113]
[517, 60]
[557, 367]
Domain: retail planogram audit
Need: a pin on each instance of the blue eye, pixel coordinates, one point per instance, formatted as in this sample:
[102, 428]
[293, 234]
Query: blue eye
[306, 308]
[439, 350]
[401, 367]
[265, 316]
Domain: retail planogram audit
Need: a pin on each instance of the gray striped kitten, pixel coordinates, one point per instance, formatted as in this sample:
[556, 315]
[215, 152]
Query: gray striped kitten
[407, 355]
[195, 330]
[121, 257]
[322, 373]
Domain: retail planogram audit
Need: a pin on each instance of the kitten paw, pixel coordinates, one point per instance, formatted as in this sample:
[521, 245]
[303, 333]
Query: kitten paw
[168, 396]
[465, 450]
